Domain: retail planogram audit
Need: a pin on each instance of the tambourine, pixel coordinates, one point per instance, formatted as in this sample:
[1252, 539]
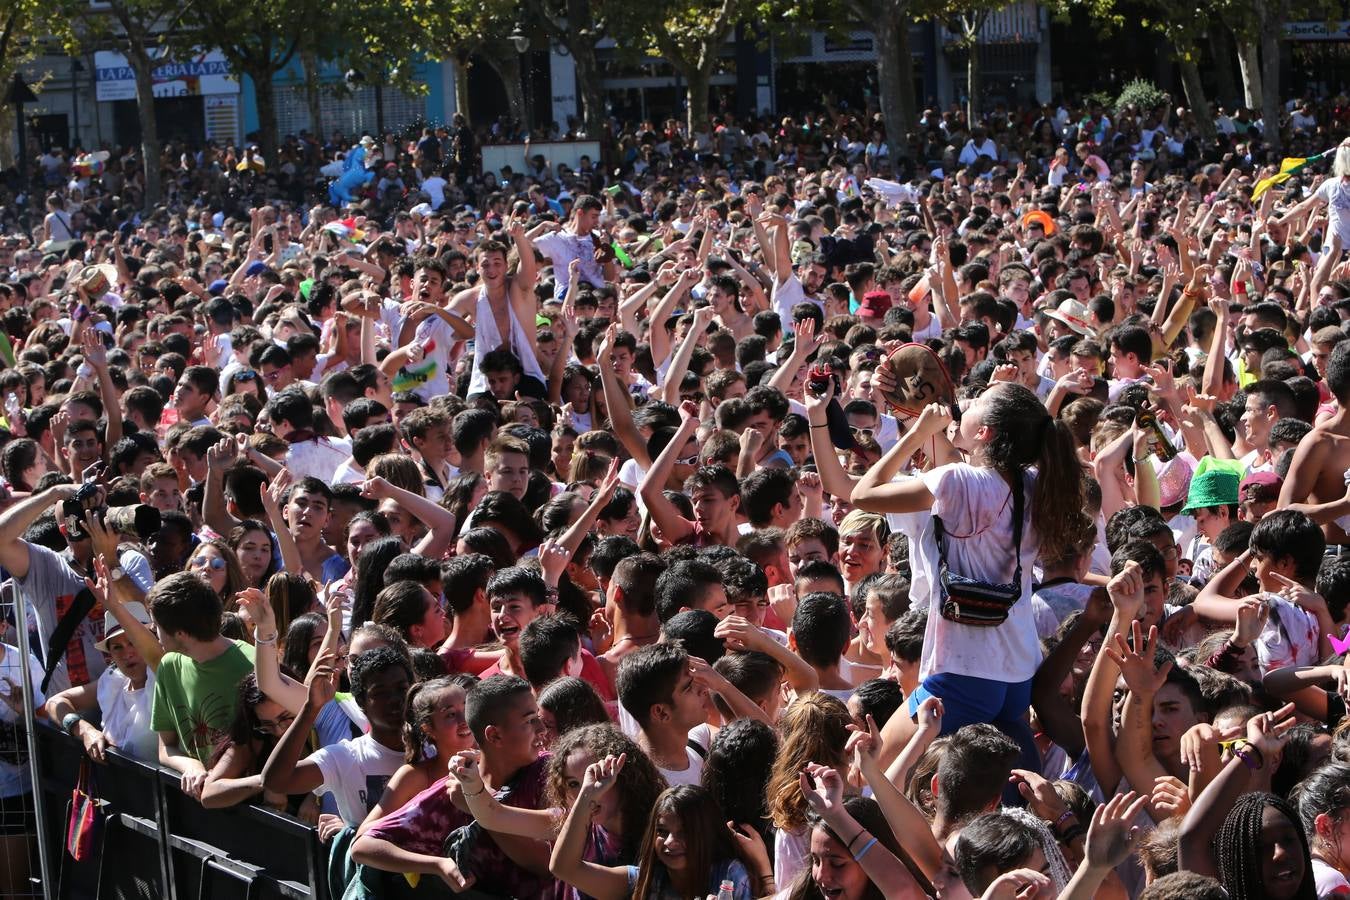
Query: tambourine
[920, 379]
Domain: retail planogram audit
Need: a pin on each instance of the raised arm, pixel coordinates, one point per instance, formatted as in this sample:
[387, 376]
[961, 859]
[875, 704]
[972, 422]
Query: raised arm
[657, 336]
[834, 478]
[617, 402]
[267, 659]
[906, 820]
[674, 526]
[1126, 592]
[567, 862]
[1134, 745]
[1250, 768]
[440, 521]
[877, 491]
[270, 495]
[670, 385]
[285, 772]
[1059, 720]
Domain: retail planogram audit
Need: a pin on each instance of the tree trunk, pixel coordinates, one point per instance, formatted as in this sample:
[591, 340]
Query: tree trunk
[1250, 66]
[460, 69]
[1271, 31]
[310, 61]
[505, 61]
[264, 92]
[973, 78]
[1221, 53]
[696, 95]
[895, 78]
[1195, 94]
[145, 110]
[579, 39]
[588, 87]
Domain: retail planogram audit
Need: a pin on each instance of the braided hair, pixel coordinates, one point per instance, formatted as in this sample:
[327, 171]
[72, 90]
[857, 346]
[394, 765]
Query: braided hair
[1237, 848]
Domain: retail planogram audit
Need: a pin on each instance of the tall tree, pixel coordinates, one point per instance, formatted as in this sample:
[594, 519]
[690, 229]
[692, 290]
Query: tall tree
[890, 21]
[578, 25]
[141, 29]
[22, 24]
[690, 35]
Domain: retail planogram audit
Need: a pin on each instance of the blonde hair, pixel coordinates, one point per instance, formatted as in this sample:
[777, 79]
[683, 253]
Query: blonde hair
[861, 520]
[814, 729]
[1341, 167]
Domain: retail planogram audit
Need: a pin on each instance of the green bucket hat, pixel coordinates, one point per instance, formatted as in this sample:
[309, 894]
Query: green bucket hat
[1215, 483]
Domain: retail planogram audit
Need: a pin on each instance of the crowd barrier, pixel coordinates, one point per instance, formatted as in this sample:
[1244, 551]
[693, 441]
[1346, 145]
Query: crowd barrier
[159, 844]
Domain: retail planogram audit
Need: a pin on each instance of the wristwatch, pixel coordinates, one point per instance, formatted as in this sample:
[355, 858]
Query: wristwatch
[69, 721]
[117, 573]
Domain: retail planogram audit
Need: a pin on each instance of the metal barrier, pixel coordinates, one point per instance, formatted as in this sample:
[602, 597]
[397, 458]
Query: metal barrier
[159, 844]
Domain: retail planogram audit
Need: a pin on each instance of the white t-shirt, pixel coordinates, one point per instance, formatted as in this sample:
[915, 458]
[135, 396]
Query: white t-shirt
[1336, 193]
[355, 772]
[1052, 604]
[787, 295]
[975, 505]
[126, 713]
[15, 779]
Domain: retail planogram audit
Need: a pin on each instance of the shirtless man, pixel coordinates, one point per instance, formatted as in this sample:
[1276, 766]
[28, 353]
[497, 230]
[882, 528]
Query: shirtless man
[510, 299]
[1316, 483]
[724, 294]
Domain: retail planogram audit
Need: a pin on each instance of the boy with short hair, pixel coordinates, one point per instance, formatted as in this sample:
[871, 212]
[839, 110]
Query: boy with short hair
[1131, 350]
[506, 463]
[197, 682]
[502, 713]
[309, 503]
[1287, 549]
[690, 584]
[657, 688]
[197, 389]
[514, 596]
[160, 488]
[904, 643]
[354, 771]
[427, 432]
[819, 635]
[630, 609]
[549, 648]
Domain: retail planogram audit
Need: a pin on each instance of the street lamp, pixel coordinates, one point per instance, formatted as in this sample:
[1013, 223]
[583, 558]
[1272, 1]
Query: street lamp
[519, 39]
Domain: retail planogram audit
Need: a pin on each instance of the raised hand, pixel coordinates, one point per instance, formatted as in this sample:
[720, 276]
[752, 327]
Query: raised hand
[255, 603]
[1111, 838]
[1126, 591]
[739, 634]
[1136, 665]
[553, 560]
[601, 776]
[1039, 792]
[1252, 614]
[1005, 373]
[1170, 796]
[464, 766]
[934, 419]
[322, 681]
[1020, 884]
[823, 789]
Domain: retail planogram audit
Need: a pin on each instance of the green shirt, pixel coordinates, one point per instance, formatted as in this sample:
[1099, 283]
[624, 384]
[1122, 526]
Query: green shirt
[196, 701]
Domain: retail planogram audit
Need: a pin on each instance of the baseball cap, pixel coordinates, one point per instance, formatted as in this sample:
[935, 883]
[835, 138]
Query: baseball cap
[874, 304]
[112, 628]
[1263, 487]
[257, 267]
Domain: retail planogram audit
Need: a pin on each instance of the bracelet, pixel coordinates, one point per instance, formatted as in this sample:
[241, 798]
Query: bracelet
[854, 839]
[482, 790]
[69, 721]
[260, 640]
[826, 425]
[863, 852]
[1063, 817]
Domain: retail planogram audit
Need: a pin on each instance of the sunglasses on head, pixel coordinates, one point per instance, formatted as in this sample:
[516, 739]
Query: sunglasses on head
[246, 375]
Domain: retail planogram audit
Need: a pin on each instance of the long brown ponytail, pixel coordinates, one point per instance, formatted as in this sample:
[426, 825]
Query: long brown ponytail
[1026, 435]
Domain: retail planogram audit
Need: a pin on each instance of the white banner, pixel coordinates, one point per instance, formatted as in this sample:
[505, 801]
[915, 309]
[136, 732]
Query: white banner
[199, 75]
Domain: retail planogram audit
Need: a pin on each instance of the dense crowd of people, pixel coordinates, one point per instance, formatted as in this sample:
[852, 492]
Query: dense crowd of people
[751, 514]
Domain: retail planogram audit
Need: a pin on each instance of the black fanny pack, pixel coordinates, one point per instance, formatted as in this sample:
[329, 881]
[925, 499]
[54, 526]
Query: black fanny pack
[970, 601]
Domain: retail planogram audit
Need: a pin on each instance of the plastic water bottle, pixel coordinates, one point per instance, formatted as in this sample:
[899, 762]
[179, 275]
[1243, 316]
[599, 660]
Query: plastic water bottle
[727, 891]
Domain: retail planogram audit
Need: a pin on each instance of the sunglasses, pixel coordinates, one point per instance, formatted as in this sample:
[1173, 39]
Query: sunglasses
[246, 375]
[866, 434]
[211, 562]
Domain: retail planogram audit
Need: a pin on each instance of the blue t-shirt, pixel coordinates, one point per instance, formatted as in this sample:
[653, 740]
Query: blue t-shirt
[727, 870]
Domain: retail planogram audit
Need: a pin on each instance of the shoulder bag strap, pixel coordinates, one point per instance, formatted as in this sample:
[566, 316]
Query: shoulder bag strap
[1018, 491]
